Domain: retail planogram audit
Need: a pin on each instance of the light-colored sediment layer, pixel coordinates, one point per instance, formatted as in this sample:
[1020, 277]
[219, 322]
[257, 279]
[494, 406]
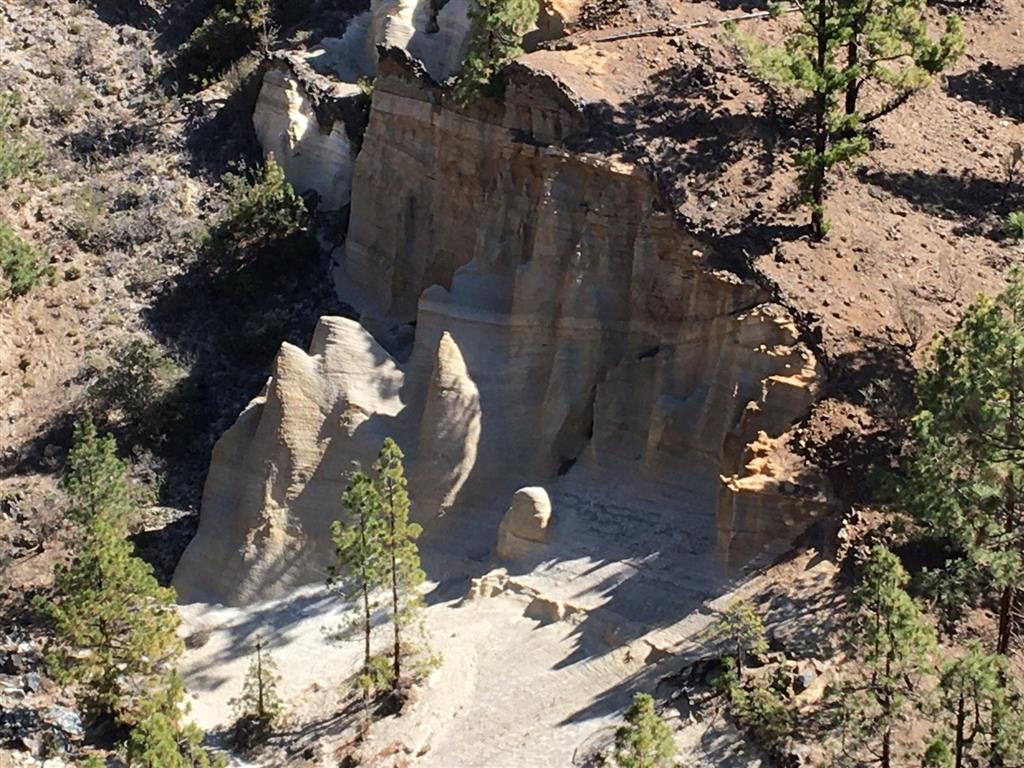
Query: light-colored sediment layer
[571, 326]
[530, 318]
[312, 145]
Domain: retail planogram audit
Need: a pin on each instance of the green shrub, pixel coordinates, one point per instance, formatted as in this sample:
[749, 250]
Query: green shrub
[645, 741]
[233, 29]
[20, 264]
[19, 158]
[1014, 225]
[137, 388]
[758, 707]
[264, 211]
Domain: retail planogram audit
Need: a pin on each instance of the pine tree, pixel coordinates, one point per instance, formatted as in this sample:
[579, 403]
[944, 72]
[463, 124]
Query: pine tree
[976, 700]
[404, 573]
[360, 570]
[965, 481]
[114, 626]
[888, 45]
[742, 629]
[645, 741]
[496, 37]
[893, 645]
[259, 707]
[157, 741]
[838, 46]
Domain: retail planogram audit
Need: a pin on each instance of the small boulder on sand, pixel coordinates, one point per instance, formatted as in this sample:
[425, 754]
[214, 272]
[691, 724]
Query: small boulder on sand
[526, 525]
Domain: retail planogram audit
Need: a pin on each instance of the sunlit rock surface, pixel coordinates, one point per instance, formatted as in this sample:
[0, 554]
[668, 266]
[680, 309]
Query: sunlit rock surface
[567, 335]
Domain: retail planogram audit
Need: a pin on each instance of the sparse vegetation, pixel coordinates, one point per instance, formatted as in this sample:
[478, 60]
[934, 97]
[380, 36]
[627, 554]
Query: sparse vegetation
[21, 265]
[19, 157]
[496, 38]
[136, 389]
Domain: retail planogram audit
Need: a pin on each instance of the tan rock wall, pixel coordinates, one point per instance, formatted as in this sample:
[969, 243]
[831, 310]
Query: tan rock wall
[561, 317]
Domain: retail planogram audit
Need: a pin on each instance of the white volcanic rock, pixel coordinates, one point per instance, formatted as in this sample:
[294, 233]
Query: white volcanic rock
[311, 145]
[312, 157]
[568, 335]
[525, 524]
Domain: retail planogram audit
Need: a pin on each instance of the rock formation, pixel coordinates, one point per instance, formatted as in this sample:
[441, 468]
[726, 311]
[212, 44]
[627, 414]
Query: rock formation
[525, 524]
[541, 321]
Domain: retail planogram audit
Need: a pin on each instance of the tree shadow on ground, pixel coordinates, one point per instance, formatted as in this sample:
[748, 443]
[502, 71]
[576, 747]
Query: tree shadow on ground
[221, 132]
[999, 89]
[976, 201]
[699, 146]
[679, 107]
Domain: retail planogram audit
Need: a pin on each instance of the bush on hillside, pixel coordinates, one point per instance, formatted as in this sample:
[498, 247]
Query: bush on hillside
[19, 158]
[1014, 225]
[264, 212]
[20, 264]
[137, 389]
[233, 29]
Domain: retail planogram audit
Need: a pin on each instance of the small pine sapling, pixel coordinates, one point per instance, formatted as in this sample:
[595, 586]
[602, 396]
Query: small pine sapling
[404, 573]
[259, 706]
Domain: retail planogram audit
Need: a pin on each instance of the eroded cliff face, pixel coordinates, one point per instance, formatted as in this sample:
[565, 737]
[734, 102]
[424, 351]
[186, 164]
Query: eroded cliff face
[531, 317]
[309, 101]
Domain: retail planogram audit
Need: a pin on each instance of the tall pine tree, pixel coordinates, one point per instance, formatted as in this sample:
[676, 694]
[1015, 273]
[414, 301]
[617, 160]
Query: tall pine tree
[404, 572]
[360, 571]
[984, 718]
[114, 626]
[259, 707]
[893, 645]
[965, 480]
[838, 47]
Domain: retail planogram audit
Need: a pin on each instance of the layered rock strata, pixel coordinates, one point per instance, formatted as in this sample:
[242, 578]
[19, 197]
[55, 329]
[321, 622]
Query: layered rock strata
[537, 319]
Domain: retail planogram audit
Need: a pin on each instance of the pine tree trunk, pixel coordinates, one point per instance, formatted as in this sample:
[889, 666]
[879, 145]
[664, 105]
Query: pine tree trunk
[397, 668]
[960, 717]
[887, 705]
[852, 59]
[1005, 620]
[366, 658]
[259, 681]
[820, 131]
